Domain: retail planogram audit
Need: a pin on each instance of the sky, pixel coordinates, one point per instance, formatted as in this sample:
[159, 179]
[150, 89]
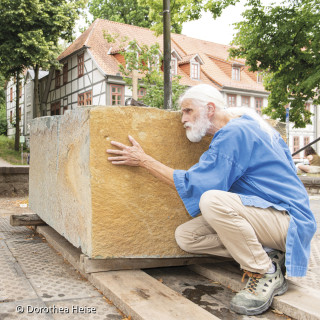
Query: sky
[220, 30]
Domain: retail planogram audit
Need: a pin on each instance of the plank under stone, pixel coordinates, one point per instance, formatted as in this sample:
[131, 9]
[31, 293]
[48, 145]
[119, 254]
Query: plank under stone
[145, 298]
[298, 302]
[86, 265]
[26, 220]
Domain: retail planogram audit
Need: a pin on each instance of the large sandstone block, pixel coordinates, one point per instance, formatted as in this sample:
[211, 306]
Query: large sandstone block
[109, 211]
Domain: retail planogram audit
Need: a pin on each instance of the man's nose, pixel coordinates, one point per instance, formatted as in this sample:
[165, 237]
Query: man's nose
[184, 118]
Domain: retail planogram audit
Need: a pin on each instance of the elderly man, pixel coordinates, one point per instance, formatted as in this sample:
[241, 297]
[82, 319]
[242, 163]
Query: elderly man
[253, 205]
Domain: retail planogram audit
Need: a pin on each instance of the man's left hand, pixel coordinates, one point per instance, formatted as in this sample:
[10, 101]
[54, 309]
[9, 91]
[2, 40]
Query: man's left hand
[126, 155]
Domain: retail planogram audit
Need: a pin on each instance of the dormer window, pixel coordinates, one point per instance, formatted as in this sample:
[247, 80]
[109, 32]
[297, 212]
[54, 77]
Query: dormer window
[175, 57]
[259, 77]
[236, 73]
[174, 64]
[195, 70]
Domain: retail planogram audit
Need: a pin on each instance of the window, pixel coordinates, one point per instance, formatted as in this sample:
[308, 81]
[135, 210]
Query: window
[20, 90]
[231, 100]
[308, 107]
[80, 65]
[259, 77]
[141, 93]
[258, 105]
[65, 108]
[11, 94]
[65, 73]
[116, 95]
[245, 101]
[85, 99]
[236, 74]
[88, 98]
[11, 117]
[173, 66]
[57, 80]
[81, 99]
[195, 70]
[296, 145]
[55, 108]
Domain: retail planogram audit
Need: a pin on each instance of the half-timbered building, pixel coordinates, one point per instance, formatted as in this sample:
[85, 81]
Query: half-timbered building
[90, 75]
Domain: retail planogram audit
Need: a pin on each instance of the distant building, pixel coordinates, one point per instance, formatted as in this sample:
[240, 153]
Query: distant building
[90, 71]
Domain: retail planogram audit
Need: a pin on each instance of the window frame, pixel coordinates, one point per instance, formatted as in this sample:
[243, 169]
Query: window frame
[140, 96]
[80, 65]
[81, 99]
[244, 98]
[258, 107]
[194, 66]
[88, 98]
[11, 94]
[57, 79]
[230, 97]
[236, 74]
[174, 66]
[55, 106]
[296, 146]
[65, 73]
[121, 94]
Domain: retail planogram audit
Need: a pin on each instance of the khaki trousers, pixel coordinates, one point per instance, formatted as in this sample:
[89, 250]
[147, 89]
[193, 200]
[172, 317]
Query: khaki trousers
[228, 228]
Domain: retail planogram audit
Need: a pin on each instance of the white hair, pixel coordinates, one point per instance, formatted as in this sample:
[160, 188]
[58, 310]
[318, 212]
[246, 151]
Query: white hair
[204, 94]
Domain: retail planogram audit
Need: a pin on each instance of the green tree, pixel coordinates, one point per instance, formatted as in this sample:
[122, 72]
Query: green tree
[180, 11]
[124, 11]
[284, 42]
[3, 111]
[148, 61]
[31, 30]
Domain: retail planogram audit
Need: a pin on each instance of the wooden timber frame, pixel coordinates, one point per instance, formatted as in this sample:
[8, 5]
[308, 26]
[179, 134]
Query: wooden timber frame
[88, 265]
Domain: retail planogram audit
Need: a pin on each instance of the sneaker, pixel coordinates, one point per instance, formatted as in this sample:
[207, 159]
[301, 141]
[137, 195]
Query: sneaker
[258, 293]
[279, 258]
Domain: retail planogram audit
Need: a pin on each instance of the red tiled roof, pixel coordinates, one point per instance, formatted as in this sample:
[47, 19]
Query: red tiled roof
[216, 69]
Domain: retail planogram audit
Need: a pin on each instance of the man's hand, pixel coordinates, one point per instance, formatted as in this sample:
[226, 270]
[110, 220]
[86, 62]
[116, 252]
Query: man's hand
[135, 156]
[126, 155]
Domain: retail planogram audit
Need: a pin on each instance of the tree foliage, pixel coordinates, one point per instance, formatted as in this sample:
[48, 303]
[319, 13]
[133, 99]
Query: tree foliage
[284, 42]
[124, 11]
[148, 61]
[3, 111]
[30, 32]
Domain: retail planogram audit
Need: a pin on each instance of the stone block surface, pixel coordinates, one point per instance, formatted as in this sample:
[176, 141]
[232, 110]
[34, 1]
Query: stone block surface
[110, 211]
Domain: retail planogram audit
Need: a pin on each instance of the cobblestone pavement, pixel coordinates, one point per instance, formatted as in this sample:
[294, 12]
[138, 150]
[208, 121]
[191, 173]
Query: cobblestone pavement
[35, 278]
[36, 282]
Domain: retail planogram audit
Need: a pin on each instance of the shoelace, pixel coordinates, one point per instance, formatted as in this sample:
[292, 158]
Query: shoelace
[253, 280]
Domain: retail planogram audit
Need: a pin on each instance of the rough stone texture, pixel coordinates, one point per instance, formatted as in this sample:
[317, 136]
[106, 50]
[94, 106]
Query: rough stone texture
[106, 210]
[14, 181]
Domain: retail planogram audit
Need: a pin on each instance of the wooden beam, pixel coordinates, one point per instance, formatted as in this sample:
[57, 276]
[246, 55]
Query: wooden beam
[98, 265]
[26, 220]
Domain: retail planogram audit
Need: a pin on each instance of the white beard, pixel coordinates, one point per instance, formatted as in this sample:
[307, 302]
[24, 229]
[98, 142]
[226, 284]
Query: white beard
[199, 128]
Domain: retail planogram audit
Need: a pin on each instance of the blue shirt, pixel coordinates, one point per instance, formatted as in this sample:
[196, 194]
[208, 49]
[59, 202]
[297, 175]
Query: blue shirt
[242, 159]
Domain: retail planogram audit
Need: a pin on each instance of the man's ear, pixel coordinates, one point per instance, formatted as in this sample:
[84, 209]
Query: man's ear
[211, 109]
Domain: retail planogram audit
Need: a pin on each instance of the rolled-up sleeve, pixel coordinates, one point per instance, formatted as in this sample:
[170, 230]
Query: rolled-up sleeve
[214, 171]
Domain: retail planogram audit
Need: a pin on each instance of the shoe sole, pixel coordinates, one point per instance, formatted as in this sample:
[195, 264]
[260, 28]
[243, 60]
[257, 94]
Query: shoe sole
[264, 307]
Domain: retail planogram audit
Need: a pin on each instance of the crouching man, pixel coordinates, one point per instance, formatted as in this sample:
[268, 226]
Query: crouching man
[252, 203]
